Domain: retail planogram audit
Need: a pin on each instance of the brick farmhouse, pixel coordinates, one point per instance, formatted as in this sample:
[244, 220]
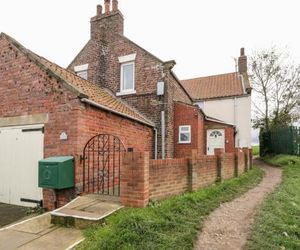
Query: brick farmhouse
[112, 87]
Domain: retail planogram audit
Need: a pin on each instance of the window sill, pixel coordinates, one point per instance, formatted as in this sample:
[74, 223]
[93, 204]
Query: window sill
[126, 93]
[188, 142]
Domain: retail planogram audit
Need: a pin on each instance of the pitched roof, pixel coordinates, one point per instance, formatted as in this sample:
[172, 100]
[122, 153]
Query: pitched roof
[84, 89]
[217, 86]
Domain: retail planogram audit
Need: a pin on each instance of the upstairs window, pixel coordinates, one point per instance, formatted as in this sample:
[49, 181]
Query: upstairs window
[82, 71]
[185, 134]
[127, 77]
[127, 84]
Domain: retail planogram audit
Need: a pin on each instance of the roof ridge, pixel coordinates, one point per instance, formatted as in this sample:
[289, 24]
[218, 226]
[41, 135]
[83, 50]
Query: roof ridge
[200, 77]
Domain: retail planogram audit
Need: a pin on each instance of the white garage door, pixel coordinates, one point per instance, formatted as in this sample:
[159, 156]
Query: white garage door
[20, 150]
[215, 139]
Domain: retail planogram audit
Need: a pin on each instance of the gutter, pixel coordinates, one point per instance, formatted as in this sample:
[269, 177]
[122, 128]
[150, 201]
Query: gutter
[88, 101]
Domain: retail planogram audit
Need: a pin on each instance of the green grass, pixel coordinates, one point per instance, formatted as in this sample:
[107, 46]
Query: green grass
[277, 224]
[170, 224]
[255, 151]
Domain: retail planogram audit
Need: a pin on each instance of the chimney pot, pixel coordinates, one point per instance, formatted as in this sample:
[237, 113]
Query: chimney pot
[107, 6]
[114, 5]
[99, 10]
[242, 51]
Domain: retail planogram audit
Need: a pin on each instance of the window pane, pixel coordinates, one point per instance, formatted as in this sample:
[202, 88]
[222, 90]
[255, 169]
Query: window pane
[128, 77]
[184, 129]
[184, 137]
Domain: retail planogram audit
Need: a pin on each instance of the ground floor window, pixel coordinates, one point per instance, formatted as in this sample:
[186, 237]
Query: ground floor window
[185, 134]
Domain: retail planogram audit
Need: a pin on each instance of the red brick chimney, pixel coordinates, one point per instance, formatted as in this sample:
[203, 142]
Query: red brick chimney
[107, 6]
[242, 63]
[105, 25]
[114, 5]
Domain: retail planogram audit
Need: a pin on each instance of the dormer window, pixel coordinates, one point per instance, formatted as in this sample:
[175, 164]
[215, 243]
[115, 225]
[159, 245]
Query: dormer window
[127, 84]
[82, 71]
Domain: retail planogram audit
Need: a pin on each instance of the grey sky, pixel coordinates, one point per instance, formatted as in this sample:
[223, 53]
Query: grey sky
[202, 36]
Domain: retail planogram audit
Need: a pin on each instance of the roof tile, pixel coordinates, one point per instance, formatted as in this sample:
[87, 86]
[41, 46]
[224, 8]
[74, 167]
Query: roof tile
[216, 86]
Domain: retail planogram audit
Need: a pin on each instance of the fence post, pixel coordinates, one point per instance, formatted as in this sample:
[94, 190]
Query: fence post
[192, 171]
[246, 156]
[251, 158]
[219, 153]
[236, 162]
[135, 179]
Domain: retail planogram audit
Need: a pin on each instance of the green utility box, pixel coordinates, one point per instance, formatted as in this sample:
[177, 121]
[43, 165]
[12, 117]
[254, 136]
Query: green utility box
[56, 172]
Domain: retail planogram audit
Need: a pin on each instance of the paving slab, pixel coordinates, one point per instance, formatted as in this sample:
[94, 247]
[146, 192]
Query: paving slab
[35, 226]
[38, 233]
[58, 239]
[10, 239]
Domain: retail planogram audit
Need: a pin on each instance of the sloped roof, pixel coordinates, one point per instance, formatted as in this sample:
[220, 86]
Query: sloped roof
[217, 86]
[83, 88]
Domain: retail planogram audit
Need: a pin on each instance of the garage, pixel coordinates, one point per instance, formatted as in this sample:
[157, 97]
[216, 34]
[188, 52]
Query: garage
[20, 150]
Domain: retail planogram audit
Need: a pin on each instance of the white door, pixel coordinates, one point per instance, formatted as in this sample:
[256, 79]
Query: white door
[215, 139]
[20, 150]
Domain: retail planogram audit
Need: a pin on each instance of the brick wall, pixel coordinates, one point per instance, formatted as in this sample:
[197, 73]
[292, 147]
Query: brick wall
[93, 121]
[101, 53]
[163, 178]
[188, 115]
[241, 161]
[206, 171]
[27, 90]
[228, 170]
[167, 177]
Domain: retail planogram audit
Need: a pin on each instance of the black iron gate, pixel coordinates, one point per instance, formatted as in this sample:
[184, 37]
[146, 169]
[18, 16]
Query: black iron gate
[102, 160]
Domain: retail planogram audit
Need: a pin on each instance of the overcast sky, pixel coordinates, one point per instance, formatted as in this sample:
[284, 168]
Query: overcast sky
[202, 36]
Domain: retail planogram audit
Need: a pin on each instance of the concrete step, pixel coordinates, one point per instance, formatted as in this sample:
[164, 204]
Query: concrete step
[85, 211]
[38, 233]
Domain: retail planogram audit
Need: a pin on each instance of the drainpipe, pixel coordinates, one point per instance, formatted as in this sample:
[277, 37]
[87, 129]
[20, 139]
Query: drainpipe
[163, 134]
[235, 118]
[155, 142]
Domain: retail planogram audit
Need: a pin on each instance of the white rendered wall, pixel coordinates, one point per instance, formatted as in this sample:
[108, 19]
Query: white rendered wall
[238, 114]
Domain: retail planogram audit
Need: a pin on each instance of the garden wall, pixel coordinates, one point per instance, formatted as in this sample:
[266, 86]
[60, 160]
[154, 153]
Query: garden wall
[143, 179]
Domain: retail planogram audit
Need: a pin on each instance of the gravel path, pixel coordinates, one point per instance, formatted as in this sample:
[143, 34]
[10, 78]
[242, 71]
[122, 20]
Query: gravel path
[229, 225]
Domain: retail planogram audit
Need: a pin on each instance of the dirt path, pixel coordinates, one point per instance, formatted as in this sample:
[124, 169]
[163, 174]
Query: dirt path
[227, 228]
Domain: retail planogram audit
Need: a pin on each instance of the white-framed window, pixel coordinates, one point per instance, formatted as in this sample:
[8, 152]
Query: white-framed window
[127, 84]
[127, 77]
[82, 71]
[185, 134]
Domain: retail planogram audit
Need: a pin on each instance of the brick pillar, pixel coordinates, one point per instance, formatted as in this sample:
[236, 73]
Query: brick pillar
[251, 158]
[135, 179]
[236, 162]
[246, 155]
[219, 153]
[192, 171]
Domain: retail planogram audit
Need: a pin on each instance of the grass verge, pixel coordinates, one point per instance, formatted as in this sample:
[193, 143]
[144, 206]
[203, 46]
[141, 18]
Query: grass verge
[255, 150]
[277, 224]
[169, 224]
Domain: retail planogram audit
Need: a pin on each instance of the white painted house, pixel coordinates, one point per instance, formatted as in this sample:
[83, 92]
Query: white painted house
[226, 97]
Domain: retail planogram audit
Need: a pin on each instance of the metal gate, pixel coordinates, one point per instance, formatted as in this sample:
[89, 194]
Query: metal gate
[102, 160]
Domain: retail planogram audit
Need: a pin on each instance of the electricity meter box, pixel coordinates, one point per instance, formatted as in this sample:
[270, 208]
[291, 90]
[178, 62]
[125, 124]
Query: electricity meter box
[56, 172]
